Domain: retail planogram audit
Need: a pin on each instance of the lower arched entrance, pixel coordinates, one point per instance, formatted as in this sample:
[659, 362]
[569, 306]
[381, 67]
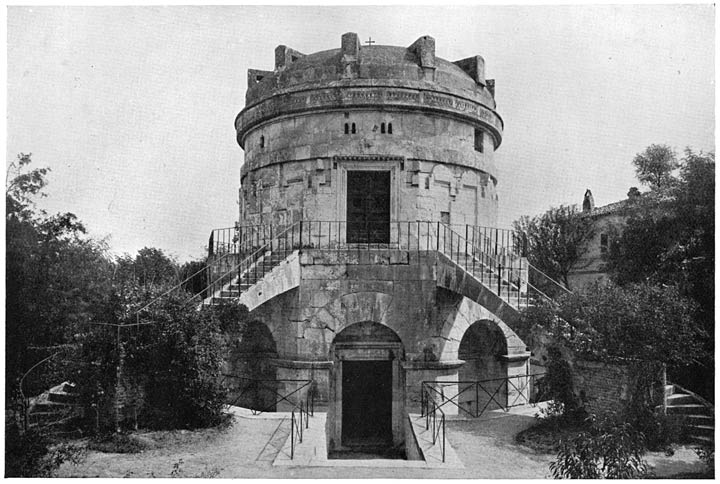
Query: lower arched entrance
[482, 348]
[367, 388]
[249, 372]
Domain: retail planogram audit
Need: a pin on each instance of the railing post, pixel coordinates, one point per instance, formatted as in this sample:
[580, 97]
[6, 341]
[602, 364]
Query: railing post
[301, 238]
[292, 434]
[496, 242]
[438, 236]
[499, 279]
[477, 399]
[466, 245]
[442, 421]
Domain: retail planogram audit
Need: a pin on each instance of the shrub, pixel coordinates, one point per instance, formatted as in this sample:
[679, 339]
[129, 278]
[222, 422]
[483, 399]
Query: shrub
[707, 455]
[560, 387]
[610, 450]
[32, 454]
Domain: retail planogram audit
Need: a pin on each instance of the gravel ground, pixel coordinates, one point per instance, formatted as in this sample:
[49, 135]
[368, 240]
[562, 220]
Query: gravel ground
[248, 448]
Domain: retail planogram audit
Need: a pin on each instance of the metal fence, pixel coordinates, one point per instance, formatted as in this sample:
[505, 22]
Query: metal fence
[474, 398]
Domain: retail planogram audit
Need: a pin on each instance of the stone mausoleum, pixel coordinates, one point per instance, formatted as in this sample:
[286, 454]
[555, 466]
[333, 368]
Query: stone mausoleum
[365, 246]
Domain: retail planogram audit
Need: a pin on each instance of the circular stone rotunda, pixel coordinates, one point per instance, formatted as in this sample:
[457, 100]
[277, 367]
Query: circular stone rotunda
[365, 247]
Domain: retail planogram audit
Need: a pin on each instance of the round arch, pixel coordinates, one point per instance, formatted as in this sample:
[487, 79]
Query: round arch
[483, 348]
[249, 368]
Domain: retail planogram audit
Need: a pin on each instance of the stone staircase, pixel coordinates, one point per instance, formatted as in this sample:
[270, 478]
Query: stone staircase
[259, 279]
[249, 277]
[55, 408]
[696, 413]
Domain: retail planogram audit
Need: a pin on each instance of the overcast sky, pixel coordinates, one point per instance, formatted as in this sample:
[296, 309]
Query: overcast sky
[133, 107]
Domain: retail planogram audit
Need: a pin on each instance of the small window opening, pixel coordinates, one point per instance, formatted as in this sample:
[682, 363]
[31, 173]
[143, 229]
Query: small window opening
[382, 128]
[389, 128]
[479, 140]
[262, 141]
[603, 243]
[347, 128]
[353, 128]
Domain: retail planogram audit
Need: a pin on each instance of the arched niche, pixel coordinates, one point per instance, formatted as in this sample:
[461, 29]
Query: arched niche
[250, 374]
[483, 348]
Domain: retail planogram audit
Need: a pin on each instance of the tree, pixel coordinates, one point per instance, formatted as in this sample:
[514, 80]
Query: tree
[670, 240]
[556, 240]
[57, 280]
[150, 267]
[654, 166]
[645, 322]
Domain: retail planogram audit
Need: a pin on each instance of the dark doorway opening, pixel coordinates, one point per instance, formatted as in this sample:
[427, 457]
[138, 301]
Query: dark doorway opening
[368, 207]
[367, 405]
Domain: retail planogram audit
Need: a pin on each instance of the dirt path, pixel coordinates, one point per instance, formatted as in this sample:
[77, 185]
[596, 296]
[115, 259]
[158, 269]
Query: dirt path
[247, 449]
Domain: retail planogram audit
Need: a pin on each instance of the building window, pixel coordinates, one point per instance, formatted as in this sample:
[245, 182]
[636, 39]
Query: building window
[603, 243]
[382, 128]
[353, 128]
[262, 141]
[347, 128]
[445, 218]
[479, 135]
[389, 128]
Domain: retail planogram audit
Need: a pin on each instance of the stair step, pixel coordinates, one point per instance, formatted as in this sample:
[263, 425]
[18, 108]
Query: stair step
[699, 419]
[685, 408]
[63, 397]
[680, 398]
[701, 430]
[703, 440]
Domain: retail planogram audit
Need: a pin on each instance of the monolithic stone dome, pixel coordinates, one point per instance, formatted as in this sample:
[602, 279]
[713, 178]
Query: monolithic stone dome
[460, 88]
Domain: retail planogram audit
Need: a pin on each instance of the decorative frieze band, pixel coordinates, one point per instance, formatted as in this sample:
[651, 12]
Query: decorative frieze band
[346, 97]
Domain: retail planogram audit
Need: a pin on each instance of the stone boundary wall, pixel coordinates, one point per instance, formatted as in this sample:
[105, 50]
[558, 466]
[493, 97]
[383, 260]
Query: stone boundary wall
[608, 387]
[603, 388]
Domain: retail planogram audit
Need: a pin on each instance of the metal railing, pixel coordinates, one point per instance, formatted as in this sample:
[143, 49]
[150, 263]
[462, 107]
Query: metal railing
[301, 400]
[473, 398]
[222, 241]
[264, 395]
[493, 256]
[430, 411]
[255, 261]
[296, 425]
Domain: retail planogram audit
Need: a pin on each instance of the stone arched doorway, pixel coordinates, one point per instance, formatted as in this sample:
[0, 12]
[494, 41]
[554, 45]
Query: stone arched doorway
[483, 348]
[249, 369]
[367, 390]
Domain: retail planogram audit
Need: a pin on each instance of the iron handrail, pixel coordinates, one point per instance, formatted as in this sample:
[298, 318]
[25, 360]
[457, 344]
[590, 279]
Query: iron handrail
[177, 287]
[296, 426]
[437, 429]
[496, 253]
[522, 384]
[263, 383]
[249, 261]
[514, 278]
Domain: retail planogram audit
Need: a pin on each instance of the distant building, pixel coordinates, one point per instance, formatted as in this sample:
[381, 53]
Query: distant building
[608, 222]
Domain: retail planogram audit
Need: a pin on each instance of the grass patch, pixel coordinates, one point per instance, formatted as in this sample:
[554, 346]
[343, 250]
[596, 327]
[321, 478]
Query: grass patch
[122, 444]
[546, 435]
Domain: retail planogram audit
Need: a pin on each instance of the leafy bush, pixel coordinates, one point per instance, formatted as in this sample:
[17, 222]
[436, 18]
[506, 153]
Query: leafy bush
[707, 455]
[610, 450]
[32, 454]
[177, 361]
